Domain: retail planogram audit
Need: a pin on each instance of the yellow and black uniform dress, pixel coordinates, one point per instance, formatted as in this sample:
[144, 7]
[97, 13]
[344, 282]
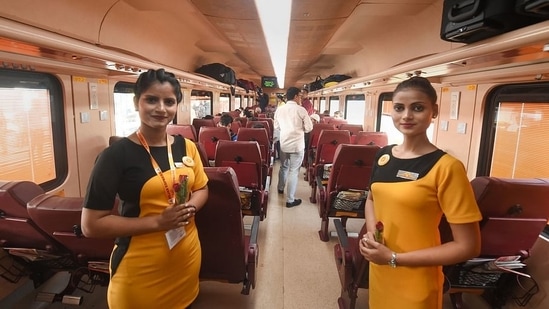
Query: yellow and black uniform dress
[410, 196]
[145, 273]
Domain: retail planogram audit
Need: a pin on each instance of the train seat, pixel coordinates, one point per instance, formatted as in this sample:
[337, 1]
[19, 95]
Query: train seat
[243, 120]
[352, 268]
[209, 136]
[235, 126]
[515, 212]
[262, 123]
[199, 123]
[114, 138]
[352, 128]
[328, 141]
[245, 159]
[344, 194]
[203, 155]
[229, 254]
[270, 129]
[371, 138]
[17, 229]
[337, 122]
[59, 216]
[261, 137]
[185, 130]
[312, 143]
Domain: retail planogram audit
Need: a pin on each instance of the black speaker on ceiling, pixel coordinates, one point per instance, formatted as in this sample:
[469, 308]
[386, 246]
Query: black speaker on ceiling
[533, 7]
[468, 21]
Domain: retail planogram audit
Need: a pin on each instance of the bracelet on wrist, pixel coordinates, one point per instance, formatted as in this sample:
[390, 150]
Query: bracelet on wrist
[393, 260]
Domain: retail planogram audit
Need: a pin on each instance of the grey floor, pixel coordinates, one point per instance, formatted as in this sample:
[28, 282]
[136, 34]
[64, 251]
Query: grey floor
[296, 270]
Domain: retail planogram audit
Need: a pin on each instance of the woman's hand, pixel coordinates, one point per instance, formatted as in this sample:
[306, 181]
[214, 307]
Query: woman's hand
[373, 251]
[176, 216]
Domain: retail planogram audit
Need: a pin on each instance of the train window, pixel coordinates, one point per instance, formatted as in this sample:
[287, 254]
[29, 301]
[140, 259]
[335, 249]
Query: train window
[514, 127]
[334, 104]
[385, 121]
[238, 101]
[322, 105]
[32, 134]
[126, 118]
[201, 104]
[355, 106]
[225, 101]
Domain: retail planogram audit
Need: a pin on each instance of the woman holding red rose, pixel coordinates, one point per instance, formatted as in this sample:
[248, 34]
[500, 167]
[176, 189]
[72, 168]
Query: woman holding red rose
[412, 185]
[161, 184]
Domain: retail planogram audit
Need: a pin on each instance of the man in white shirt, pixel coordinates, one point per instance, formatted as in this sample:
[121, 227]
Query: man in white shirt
[293, 121]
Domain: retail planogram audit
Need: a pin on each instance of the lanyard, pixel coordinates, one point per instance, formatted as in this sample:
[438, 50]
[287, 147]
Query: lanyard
[169, 193]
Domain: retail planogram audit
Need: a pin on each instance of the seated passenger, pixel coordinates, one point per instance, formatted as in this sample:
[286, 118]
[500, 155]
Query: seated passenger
[225, 121]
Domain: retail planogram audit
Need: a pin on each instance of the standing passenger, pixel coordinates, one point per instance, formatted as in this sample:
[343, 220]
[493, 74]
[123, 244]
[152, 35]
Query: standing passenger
[292, 121]
[306, 103]
[156, 257]
[412, 185]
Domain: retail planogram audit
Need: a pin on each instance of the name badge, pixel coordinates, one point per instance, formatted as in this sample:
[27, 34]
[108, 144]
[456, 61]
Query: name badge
[174, 236]
[407, 175]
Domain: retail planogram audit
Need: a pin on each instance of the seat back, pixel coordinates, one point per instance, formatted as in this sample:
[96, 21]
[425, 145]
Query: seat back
[352, 128]
[209, 136]
[114, 138]
[349, 162]
[337, 122]
[515, 212]
[271, 125]
[328, 141]
[371, 138]
[345, 193]
[516, 199]
[243, 121]
[261, 123]
[221, 229]
[245, 158]
[235, 126]
[315, 133]
[186, 130]
[203, 155]
[59, 216]
[17, 229]
[260, 136]
[198, 123]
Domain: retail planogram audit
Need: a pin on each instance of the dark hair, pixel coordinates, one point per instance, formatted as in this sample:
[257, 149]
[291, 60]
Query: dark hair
[146, 79]
[248, 113]
[292, 92]
[420, 84]
[225, 120]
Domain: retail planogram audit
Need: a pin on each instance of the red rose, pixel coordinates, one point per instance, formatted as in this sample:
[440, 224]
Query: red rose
[379, 232]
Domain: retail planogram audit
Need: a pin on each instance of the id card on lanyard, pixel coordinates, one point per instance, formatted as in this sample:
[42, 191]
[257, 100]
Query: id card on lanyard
[173, 236]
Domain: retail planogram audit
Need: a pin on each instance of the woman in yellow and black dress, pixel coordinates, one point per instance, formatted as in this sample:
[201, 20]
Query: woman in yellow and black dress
[412, 185]
[156, 258]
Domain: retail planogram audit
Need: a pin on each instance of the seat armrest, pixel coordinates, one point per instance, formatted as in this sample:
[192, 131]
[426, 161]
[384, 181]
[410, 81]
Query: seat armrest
[341, 235]
[254, 230]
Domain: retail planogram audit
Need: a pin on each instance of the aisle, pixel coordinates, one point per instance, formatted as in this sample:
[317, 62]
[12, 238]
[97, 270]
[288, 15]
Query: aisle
[296, 270]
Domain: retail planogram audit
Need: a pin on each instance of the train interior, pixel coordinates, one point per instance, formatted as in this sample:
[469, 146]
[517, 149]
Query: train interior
[73, 63]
